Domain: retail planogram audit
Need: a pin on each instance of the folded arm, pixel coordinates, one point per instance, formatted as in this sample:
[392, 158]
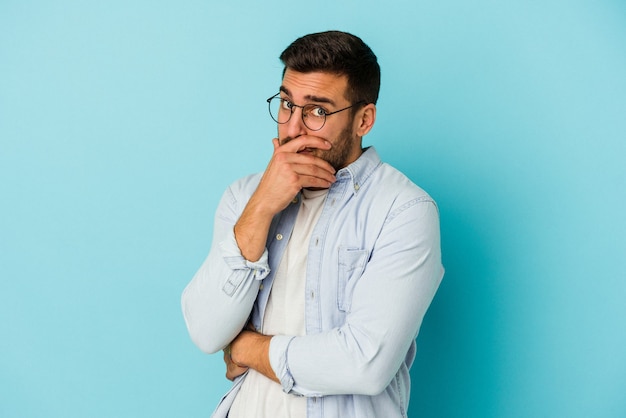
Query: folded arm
[388, 305]
[217, 302]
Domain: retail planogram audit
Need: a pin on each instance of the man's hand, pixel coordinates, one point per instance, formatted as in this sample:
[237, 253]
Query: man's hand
[233, 370]
[249, 349]
[293, 167]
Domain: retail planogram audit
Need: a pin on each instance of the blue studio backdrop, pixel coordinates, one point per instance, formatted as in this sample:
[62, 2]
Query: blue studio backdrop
[122, 122]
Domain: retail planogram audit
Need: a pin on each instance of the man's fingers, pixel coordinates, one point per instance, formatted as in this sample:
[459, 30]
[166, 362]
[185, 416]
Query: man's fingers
[305, 141]
[232, 369]
[311, 181]
[305, 161]
[323, 172]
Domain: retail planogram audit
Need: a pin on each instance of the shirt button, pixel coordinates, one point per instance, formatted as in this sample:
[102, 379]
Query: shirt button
[295, 200]
[279, 236]
[357, 187]
[261, 287]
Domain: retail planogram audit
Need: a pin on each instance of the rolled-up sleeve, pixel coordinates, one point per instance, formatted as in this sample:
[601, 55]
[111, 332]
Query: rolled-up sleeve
[279, 349]
[217, 302]
[243, 269]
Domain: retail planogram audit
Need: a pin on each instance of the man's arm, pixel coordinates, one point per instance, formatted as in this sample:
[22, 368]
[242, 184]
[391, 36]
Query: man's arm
[218, 301]
[251, 350]
[388, 305]
[287, 173]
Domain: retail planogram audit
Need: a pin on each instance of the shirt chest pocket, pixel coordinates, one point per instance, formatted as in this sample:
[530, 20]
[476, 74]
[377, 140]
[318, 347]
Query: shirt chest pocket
[351, 265]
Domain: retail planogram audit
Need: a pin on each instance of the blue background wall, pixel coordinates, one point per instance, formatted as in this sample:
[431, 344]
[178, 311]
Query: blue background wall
[121, 123]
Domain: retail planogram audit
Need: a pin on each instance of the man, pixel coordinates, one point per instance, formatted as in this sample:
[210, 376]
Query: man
[323, 266]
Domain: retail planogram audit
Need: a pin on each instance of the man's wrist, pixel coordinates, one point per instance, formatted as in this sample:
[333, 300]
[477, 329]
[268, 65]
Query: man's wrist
[251, 234]
[251, 349]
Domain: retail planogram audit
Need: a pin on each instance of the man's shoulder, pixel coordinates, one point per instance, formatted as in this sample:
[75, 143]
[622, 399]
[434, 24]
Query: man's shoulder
[245, 186]
[384, 181]
[393, 183]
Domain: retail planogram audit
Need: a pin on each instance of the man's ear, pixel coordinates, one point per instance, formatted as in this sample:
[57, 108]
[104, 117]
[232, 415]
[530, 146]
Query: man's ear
[365, 119]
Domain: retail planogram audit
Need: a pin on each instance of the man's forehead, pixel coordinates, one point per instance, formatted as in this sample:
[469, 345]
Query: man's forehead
[314, 86]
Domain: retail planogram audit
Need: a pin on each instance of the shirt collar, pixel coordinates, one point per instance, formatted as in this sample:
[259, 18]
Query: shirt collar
[359, 171]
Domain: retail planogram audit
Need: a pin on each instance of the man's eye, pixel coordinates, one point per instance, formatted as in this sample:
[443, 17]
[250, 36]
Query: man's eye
[286, 104]
[318, 112]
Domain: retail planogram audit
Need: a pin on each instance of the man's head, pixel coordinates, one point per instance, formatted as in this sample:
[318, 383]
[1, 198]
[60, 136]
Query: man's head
[337, 53]
[329, 90]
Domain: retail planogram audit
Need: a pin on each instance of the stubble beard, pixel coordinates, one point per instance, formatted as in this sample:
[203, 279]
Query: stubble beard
[341, 150]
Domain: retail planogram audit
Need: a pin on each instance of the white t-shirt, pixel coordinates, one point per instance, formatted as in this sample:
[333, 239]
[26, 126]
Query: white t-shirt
[259, 396]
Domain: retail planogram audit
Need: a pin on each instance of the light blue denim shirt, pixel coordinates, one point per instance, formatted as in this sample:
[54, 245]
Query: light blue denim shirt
[374, 265]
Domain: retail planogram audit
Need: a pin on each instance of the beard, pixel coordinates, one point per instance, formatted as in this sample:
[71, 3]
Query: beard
[342, 148]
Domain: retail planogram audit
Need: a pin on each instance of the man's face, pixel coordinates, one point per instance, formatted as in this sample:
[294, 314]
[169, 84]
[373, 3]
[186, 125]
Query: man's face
[328, 91]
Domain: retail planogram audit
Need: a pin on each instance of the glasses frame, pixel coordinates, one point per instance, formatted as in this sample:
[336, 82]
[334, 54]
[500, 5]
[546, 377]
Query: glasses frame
[269, 108]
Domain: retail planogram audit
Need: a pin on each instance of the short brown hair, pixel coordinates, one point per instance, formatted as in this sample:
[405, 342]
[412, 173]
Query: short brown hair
[339, 53]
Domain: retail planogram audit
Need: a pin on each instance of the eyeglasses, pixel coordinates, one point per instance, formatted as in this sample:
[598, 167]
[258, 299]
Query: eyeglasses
[313, 115]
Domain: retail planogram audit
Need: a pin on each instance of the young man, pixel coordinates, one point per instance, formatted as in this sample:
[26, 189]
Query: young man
[323, 266]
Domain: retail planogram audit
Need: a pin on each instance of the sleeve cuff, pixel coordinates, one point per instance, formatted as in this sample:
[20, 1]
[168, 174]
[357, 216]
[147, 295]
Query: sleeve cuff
[231, 255]
[279, 360]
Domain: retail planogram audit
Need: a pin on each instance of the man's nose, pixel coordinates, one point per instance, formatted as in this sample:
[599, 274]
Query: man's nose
[295, 125]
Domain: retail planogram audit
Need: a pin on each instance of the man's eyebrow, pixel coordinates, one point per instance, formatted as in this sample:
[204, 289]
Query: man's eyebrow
[318, 99]
[310, 98]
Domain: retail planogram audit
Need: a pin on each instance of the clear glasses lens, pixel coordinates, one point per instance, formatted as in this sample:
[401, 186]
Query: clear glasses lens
[279, 112]
[312, 116]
